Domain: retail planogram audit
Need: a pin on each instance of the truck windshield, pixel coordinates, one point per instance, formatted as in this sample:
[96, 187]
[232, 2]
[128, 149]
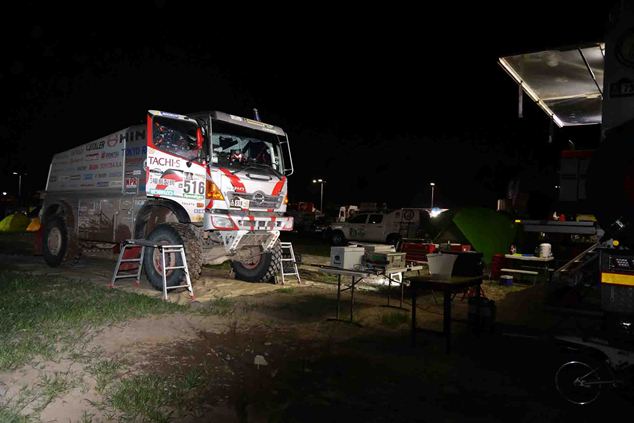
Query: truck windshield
[236, 148]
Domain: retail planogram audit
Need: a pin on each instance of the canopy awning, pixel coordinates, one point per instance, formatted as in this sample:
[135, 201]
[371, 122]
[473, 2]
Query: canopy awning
[566, 83]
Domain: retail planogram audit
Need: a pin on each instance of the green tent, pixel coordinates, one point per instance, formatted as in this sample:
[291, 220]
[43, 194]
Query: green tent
[16, 222]
[489, 232]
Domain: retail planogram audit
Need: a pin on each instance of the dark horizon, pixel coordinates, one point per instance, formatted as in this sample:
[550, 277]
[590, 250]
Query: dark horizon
[378, 104]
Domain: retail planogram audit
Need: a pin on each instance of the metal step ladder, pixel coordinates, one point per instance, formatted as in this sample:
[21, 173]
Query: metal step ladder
[288, 258]
[576, 270]
[163, 249]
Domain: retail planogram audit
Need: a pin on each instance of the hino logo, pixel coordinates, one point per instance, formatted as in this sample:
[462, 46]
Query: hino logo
[258, 197]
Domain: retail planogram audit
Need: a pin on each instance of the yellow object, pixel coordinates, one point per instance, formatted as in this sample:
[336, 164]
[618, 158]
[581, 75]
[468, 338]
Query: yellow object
[615, 243]
[35, 225]
[586, 218]
[617, 279]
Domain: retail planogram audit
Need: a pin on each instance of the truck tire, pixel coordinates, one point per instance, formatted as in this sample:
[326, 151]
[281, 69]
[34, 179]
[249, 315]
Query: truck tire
[57, 243]
[173, 234]
[337, 238]
[263, 270]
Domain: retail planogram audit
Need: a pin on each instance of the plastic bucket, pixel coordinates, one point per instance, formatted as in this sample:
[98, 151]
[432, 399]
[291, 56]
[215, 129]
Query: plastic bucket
[506, 280]
[441, 264]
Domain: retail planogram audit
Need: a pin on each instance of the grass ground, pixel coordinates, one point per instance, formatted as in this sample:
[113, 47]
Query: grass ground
[43, 317]
[59, 343]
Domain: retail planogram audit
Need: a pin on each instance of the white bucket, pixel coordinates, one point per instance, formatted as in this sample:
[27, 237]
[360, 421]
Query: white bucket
[441, 264]
[545, 250]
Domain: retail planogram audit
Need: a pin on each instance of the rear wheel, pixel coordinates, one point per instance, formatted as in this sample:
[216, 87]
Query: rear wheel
[261, 267]
[173, 234]
[57, 243]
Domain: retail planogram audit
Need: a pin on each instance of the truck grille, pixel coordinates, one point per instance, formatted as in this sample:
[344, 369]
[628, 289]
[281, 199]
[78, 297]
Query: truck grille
[257, 200]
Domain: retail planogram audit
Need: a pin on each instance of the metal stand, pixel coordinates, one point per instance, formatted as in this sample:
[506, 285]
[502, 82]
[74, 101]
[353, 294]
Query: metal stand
[291, 259]
[163, 249]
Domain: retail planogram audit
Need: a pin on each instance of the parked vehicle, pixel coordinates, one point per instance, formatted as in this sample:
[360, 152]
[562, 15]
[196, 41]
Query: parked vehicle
[378, 226]
[214, 182]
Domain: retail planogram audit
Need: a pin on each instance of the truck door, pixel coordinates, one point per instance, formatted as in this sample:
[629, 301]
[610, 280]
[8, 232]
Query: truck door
[176, 165]
[355, 227]
[375, 228]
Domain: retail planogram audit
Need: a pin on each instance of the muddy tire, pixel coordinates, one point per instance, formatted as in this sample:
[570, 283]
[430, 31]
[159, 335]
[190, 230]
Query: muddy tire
[173, 234]
[58, 245]
[263, 270]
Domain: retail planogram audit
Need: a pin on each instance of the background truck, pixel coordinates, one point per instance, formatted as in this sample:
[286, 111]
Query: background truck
[586, 85]
[380, 226]
[214, 182]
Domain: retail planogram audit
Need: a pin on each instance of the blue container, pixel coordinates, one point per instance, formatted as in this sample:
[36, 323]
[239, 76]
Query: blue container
[506, 280]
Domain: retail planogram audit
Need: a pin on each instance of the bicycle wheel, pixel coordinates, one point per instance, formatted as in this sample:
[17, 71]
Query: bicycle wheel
[574, 382]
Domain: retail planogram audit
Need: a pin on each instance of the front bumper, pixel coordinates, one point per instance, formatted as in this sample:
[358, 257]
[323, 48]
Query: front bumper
[238, 230]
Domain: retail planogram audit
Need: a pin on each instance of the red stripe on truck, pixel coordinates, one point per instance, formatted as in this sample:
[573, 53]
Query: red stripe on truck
[235, 181]
[278, 187]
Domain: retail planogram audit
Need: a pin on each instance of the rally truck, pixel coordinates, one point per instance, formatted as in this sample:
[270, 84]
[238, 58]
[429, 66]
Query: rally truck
[214, 182]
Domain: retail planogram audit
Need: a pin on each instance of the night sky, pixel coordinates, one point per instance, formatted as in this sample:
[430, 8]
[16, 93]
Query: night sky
[377, 100]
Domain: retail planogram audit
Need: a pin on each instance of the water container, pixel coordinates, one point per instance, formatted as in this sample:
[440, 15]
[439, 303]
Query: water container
[545, 250]
[497, 263]
[506, 280]
[441, 264]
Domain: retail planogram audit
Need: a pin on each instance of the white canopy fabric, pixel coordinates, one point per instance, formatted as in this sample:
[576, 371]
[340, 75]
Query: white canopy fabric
[566, 83]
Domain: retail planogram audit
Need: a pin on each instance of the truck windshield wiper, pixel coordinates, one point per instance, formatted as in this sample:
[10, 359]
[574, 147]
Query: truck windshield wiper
[255, 165]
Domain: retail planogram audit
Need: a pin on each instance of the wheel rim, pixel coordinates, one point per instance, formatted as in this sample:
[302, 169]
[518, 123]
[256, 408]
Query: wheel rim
[54, 241]
[570, 380]
[252, 262]
[170, 259]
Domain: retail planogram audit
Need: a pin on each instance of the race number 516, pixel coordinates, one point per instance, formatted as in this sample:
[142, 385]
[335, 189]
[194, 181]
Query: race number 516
[194, 187]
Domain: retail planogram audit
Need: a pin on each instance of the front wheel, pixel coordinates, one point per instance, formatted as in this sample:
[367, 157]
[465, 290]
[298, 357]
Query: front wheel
[261, 267]
[577, 382]
[172, 234]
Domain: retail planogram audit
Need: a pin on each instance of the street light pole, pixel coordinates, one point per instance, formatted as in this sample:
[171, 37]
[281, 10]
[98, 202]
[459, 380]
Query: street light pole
[20, 182]
[432, 195]
[321, 182]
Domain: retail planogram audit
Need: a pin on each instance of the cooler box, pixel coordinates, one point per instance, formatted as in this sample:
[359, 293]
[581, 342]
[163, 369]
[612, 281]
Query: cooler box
[347, 257]
[417, 251]
[387, 260]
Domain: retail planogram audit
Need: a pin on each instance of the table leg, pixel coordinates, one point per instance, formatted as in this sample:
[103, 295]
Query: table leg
[338, 293]
[352, 299]
[413, 334]
[477, 297]
[447, 318]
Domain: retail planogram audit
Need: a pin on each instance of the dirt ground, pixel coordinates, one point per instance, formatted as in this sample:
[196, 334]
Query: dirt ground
[268, 353]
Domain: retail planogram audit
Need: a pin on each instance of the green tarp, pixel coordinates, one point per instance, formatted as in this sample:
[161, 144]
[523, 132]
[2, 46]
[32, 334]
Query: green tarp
[16, 222]
[488, 231]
